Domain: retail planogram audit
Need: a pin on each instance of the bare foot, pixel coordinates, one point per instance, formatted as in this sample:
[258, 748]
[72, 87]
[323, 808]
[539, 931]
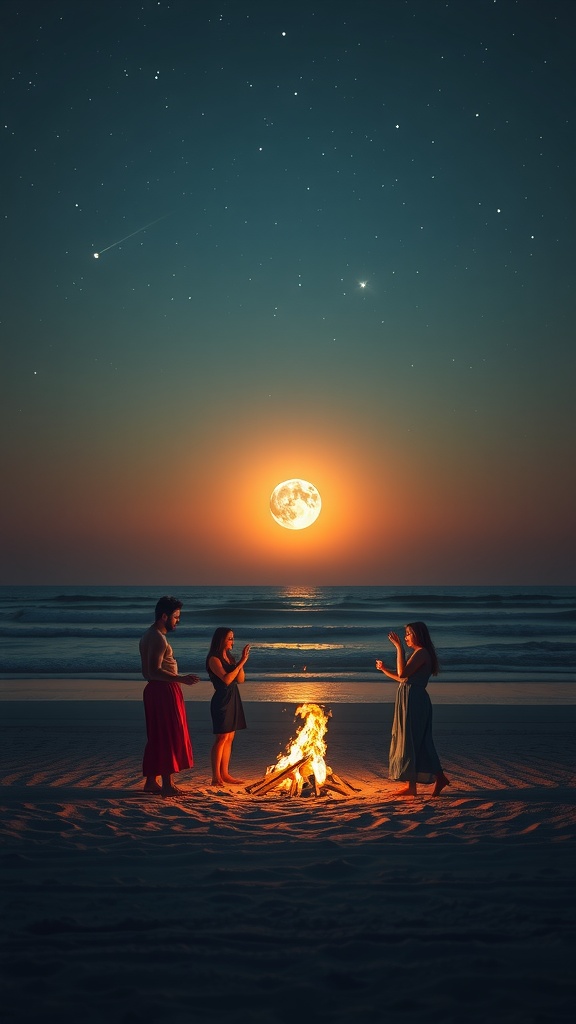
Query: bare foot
[441, 783]
[410, 791]
[170, 791]
[217, 782]
[233, 782]
[152, 787]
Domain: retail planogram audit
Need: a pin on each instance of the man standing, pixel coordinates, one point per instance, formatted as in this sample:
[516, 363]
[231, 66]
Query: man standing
[168, 748]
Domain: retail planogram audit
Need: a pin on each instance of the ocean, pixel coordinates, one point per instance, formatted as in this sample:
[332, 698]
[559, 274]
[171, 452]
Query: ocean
[314, 635]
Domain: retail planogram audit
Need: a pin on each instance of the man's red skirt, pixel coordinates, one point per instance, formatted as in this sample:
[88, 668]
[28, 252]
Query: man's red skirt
[168, 748]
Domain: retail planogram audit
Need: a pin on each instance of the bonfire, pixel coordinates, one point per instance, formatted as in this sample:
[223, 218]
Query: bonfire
[302, 768]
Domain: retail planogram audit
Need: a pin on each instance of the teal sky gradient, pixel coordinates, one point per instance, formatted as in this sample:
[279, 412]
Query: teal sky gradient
[281, 156]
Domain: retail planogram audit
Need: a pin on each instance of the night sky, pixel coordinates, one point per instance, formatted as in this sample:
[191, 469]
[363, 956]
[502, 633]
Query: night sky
[336, 242]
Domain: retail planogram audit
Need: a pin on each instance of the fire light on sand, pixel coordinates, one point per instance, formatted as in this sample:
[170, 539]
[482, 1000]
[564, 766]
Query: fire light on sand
[302, 766]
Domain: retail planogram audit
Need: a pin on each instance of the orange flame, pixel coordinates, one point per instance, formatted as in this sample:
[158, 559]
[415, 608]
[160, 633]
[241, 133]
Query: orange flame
[309, 743]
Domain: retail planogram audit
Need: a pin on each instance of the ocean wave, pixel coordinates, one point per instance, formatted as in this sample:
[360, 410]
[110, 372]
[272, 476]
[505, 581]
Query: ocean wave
[445, 633]
[325, 659]
[91, 599]
[30, 623]
[457, 598]
[334, 629]
[70, 616]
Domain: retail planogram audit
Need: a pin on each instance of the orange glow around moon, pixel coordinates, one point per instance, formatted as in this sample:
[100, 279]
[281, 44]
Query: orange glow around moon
[295, 504]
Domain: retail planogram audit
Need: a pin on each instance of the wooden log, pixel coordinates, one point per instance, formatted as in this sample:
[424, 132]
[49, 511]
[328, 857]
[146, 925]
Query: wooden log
[344, 782]
[336, 788]
[273, 778]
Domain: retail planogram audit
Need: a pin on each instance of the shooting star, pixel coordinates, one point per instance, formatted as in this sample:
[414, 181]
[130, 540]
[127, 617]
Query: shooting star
[97, 255]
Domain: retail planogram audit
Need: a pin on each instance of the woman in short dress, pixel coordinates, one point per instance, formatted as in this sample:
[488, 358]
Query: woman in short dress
[413, 756]
[226, 704]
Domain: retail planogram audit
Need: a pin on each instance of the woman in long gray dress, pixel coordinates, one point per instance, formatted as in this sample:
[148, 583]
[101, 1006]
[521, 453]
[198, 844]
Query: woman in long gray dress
[413, 756]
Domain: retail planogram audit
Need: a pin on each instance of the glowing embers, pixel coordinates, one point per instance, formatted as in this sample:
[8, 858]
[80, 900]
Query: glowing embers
[302, 770]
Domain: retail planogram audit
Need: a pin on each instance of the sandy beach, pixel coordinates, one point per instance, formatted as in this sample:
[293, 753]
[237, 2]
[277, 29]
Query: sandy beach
[219, 905]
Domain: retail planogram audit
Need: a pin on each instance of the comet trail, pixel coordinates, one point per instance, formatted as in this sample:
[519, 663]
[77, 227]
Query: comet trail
[126, 237]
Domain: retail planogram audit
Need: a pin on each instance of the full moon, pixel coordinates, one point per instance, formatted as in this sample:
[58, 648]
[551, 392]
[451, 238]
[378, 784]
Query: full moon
[295, 504]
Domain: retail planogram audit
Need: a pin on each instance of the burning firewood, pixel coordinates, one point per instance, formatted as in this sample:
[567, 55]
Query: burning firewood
[302, 766]
[274, 778]
[344, 783]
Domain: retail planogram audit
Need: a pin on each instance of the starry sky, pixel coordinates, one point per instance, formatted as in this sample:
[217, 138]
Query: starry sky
[335, 242]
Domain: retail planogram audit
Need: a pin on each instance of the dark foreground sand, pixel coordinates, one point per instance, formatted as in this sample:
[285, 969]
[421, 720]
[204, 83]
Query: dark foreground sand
[220, 906]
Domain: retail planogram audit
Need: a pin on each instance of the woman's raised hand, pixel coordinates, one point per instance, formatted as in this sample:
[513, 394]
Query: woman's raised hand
[246, 652]
[395, 639]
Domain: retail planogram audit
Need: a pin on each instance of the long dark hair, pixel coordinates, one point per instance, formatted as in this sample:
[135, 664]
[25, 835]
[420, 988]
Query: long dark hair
[217, 643]
[423, 639]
